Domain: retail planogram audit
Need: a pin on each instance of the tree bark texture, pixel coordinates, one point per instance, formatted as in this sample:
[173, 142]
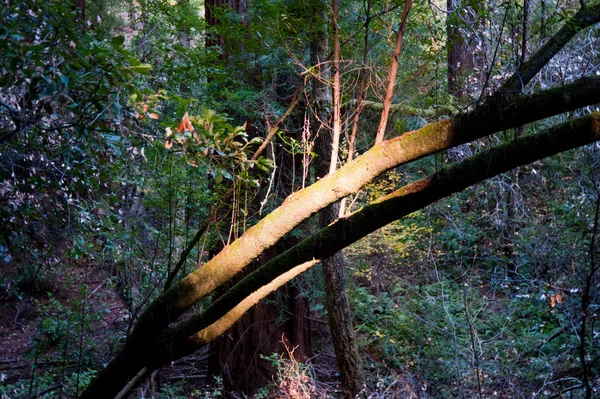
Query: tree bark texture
[463, 56]
[412, 197]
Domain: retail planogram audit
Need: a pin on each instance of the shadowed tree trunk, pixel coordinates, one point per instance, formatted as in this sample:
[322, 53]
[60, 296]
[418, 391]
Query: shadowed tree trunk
[466, 54]
[267, 328]
[236, 355]
[212, 10]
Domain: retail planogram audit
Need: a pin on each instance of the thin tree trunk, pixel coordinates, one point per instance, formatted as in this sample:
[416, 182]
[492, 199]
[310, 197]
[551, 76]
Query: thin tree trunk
[360, 97]
[543, 20]
[586, 300]
[337, 119]
[392, 73]
[527, 8]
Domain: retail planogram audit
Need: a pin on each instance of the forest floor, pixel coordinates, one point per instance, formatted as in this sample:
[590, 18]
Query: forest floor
[41, 330]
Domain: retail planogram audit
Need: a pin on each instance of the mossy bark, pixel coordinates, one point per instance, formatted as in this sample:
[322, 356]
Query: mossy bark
[499, 113]
[182, 339]
[396, 205]
[585, 17]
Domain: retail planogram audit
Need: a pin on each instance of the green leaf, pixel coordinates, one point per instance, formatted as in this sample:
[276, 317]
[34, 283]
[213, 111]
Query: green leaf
[118, 41]
[226, 174]
[142, 68]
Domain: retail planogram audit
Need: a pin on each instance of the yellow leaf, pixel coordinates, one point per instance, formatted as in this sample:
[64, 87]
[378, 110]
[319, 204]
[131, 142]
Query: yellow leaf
[169, 131]
[184, 121]
[152, 115]
[168, 144]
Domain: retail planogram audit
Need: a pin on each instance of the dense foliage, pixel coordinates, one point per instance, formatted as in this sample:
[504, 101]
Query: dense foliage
[131, 151]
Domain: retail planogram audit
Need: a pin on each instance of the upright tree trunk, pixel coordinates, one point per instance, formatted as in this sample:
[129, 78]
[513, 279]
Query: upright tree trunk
[360, 97]
[463, 55]
[392, 73]
[338, 310]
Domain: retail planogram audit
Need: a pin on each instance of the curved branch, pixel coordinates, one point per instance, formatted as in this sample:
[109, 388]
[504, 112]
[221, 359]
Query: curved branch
[183, 338]
[584, 18]
[499, 113]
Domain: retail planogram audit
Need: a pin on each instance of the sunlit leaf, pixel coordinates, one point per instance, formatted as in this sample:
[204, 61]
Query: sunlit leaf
[185, 124]
[142, 68]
